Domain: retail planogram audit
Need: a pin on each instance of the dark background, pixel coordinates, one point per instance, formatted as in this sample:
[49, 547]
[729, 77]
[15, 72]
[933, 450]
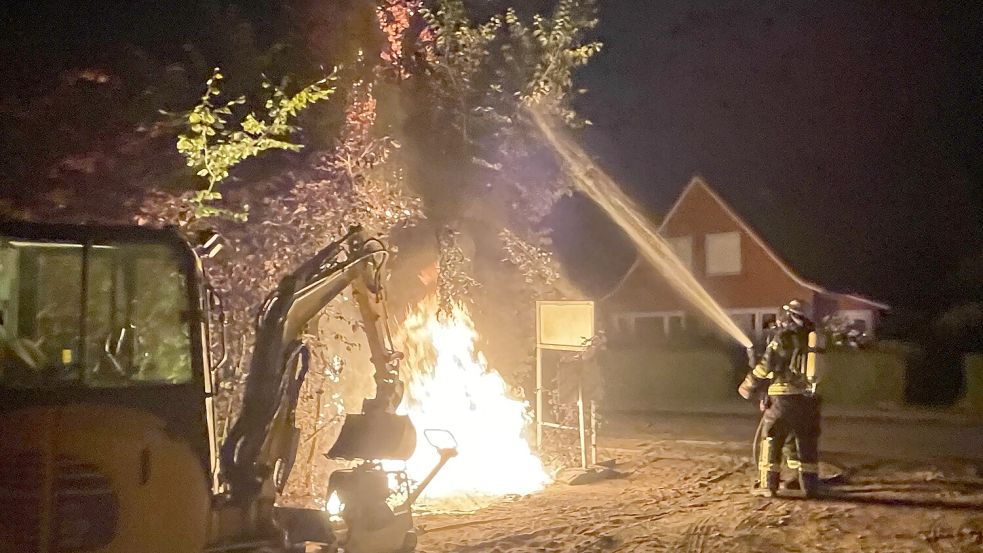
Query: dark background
[847, 133]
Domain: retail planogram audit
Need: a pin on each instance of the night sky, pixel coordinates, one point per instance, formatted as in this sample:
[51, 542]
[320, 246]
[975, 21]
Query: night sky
[847, 133]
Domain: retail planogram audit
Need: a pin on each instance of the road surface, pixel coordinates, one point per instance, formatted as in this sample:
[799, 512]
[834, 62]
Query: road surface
[908, 488]
[897, 438]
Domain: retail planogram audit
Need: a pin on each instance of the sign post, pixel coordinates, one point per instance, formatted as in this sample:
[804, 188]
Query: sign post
[564, 326]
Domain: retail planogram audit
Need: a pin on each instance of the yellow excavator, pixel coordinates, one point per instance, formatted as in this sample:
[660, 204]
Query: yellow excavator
[110, 343]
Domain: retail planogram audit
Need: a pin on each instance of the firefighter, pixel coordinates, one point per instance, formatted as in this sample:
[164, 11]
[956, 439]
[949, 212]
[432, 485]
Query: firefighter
[784, 381]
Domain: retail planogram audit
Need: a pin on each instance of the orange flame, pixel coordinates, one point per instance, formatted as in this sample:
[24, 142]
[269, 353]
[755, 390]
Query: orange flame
[449, 386]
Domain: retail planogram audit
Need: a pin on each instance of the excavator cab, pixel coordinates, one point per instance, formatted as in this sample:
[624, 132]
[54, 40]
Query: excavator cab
[106, 394]
[95, 316]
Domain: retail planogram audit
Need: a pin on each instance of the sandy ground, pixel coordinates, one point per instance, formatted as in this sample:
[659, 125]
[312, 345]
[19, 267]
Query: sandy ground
[692, 496]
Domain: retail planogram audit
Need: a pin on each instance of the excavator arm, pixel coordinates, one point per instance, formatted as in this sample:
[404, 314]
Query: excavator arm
[261, 445]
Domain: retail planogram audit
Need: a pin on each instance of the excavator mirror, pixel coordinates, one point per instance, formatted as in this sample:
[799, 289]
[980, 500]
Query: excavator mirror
[441, 440]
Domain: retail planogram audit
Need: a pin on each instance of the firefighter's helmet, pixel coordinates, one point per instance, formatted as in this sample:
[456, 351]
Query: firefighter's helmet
[794, 314]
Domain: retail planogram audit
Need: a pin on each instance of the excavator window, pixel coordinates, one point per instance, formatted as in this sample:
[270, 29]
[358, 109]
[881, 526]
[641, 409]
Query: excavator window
[98, 316]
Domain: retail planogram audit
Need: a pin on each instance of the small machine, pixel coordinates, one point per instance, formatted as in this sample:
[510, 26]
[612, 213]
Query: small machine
[111, 341]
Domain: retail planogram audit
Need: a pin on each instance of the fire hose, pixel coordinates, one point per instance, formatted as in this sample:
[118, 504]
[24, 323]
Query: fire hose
[752, 361]
[756, 443]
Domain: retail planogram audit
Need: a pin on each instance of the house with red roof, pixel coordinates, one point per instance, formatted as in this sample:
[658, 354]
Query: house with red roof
[739, 269]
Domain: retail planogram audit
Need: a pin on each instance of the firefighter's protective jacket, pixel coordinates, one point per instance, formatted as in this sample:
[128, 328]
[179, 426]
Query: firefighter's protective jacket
[787, 366]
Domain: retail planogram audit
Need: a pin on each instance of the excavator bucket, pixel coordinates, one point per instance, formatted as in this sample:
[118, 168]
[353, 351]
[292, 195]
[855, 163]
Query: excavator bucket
[375, 436]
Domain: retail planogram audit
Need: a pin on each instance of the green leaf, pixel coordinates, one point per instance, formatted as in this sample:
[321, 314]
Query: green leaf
[215, 142]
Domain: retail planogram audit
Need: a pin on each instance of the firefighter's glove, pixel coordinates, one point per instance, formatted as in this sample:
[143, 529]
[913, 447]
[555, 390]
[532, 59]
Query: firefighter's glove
[753, 388]
[752, 358]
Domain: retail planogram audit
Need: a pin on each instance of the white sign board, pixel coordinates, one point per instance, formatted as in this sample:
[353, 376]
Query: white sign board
[564, 325]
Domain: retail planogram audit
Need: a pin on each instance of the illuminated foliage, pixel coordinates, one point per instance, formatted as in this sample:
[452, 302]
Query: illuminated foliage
[454, 280]
[291, 217]
[395, 18]
[561, 50]
[467, 100]
[213, 147]
[425, 120]
[534, 263]
[488, 173]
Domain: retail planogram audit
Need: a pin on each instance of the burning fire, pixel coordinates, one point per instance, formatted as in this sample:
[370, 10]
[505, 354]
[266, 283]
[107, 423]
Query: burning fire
[449, 386]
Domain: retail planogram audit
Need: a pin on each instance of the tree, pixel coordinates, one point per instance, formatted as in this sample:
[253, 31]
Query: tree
[213, 149]
[426, 120]
[486, 176]
[293, 217]
[84, 137]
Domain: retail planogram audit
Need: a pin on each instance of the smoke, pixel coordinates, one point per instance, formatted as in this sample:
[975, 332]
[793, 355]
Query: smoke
[606, 193]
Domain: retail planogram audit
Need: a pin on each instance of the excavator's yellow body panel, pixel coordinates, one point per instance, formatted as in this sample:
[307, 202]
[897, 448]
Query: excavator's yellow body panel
[100, 479]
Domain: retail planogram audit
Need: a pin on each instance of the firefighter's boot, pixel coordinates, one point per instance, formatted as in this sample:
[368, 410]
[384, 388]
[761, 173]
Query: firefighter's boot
[810, 484]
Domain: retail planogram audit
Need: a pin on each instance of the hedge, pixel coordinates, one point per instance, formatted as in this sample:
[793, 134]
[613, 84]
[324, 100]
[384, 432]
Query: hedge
[863, 378]
[973, 371]
[640, 379]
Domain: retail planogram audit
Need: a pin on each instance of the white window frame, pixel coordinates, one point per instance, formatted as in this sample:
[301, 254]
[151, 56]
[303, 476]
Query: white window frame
[710, 241]
[627, 320]
[682, 243]
[759, 316]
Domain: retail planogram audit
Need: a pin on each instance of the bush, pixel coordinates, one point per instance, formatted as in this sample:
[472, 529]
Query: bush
[647, 378]
[864, 378]
[973, 371]
[641, 379]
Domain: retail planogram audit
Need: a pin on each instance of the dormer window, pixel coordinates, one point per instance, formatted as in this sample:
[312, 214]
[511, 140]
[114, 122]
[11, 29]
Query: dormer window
[682, 246]
[723, 253]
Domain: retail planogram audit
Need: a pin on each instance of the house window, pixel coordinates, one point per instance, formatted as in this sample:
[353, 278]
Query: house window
[682, 246]
[656, 327]
[723, 253]
[675, 325]
[769, 320]
[745, 321]
[648, 328]
[755, 321]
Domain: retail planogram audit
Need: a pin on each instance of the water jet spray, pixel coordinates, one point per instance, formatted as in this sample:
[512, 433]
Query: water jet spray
[593, 182]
